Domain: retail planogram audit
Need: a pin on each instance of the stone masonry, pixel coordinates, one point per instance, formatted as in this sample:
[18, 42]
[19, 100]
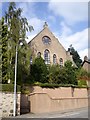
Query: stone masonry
[6, 104]
[55, 47]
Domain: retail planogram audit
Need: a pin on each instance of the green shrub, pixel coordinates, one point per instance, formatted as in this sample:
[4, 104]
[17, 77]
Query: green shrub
[25, 90]
[82, 76]
[70, 73]
[49, 85]
[82, 83]
[39, 71]
[9, 87]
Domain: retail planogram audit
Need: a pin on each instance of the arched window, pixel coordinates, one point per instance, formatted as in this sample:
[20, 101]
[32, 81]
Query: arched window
[47, 56]
[61, 62]
[39, 54]
[46, 40]
[54, 59]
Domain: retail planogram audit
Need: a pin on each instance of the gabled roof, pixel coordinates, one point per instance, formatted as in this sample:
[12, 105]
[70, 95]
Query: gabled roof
[50, 32]
[36, 35]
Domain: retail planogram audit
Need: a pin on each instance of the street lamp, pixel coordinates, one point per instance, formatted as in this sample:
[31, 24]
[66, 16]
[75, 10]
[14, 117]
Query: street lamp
[14, 111]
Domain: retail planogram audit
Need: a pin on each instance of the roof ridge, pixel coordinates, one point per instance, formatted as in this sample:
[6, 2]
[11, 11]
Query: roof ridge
[36, 35]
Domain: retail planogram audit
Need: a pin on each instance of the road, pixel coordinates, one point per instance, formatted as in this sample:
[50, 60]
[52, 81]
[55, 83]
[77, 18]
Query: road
[78, 113]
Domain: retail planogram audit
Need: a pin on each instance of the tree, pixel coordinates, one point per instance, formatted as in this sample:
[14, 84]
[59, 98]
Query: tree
[23, 68]
[4, 43]
[17, 28]
[39, 71]
[70, 73]
[82, 76]
[54, 72]
[75, 56]
[64, 75]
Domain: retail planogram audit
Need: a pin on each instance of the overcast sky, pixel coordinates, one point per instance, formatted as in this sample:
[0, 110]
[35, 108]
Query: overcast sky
[67, 20]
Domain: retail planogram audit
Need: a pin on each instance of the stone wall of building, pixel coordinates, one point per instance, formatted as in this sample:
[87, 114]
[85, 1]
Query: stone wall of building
[54, 47]
[6, 104]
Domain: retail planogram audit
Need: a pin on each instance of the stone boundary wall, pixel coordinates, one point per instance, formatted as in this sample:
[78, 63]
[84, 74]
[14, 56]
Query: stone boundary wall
[59, 99]
[6, 104]
[43, 100]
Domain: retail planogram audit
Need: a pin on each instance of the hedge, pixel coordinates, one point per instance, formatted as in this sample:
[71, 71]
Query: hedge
[9, 87]
[49, 85]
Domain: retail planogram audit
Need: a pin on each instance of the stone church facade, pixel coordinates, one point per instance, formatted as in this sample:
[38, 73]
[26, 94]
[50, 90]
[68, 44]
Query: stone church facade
[46, 45]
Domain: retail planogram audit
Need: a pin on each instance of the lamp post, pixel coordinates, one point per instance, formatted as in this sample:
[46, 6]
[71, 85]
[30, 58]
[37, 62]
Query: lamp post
[14, 112]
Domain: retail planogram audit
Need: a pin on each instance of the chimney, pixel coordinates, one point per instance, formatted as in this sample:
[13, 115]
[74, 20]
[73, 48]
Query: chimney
[68, 52]
[85, 58]
[69, 49]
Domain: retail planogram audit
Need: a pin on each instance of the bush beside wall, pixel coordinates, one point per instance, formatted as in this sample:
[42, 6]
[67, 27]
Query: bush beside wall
[9, 87]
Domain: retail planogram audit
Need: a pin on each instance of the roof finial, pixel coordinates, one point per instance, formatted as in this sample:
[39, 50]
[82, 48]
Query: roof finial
[45, 25]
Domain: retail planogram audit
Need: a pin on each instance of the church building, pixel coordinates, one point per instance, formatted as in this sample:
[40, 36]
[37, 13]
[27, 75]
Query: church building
[46, 45]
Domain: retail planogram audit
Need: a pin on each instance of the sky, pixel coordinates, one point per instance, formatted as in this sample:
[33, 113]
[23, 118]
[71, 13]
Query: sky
[67, 20]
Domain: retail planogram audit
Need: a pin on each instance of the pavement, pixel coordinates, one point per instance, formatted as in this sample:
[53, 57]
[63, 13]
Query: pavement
[77, 113]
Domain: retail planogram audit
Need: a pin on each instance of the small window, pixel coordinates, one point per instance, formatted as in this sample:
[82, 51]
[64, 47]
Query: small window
[47, 56]
[31, 59]
[61, 62]
[54, 59]
[46, 40]
[39, 54]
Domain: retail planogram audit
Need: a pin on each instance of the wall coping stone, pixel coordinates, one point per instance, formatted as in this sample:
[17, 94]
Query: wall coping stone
[59, 97]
